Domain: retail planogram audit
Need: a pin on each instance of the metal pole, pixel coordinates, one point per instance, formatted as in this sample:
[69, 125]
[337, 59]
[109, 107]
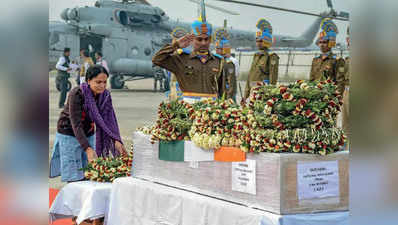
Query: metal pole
[288, 62]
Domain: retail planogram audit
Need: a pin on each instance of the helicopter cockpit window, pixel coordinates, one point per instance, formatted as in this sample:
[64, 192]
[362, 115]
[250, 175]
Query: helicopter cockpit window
[122, 17]
[155, 19]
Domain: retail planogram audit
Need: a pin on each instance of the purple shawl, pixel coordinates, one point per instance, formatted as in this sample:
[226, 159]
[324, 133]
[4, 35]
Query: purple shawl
[103, 115]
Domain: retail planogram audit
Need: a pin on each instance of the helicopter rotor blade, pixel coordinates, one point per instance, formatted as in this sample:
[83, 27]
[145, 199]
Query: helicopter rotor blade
[217, 8]
[283, 9]
[330, 3]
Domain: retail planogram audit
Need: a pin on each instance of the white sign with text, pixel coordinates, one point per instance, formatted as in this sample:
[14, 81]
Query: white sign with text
[317, 180]
[244, 176]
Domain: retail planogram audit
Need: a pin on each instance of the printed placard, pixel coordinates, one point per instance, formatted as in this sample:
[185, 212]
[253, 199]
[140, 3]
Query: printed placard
[244, 176]
[316, 180]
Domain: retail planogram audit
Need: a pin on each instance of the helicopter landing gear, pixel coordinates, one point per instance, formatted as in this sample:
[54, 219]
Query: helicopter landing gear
[117, 82]
[58, 86]
[161, 78]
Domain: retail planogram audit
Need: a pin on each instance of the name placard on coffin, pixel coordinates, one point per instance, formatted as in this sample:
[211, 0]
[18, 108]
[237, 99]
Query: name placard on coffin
[278, 189]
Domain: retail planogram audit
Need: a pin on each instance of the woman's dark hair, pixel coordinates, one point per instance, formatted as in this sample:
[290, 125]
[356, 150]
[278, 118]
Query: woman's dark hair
[86, 53]
[94, 70]
[99, 53]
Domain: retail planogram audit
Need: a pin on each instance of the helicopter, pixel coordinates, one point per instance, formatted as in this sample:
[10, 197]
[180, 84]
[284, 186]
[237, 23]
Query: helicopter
[130, 32]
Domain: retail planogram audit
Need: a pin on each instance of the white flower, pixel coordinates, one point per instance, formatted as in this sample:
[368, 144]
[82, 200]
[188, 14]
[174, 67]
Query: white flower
[214, 116]
[322, 152]
[95, 174]
[296, 149]
[272, 141]
[225, 141]
[304, 86]
[267, 110]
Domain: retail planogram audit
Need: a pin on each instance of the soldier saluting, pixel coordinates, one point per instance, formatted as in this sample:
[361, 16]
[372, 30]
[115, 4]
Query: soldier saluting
[265, 65]
[198, 71]
[327, 65]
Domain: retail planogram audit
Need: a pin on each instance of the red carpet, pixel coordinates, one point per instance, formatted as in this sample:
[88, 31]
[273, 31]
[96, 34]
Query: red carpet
[53, 193]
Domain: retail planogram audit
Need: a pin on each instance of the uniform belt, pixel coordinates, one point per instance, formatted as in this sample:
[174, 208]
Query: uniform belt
[192, 97]
[194, 94]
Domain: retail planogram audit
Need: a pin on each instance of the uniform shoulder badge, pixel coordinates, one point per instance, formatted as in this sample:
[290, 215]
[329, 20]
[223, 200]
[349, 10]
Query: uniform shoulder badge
[186, 51]
[183, 50]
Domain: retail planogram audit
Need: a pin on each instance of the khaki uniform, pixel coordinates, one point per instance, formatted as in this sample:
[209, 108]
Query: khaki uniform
[87, 62]
[192, 75]
[328, 66]
[229, 79]
[264, 67]
[346, 97]
[173, 87]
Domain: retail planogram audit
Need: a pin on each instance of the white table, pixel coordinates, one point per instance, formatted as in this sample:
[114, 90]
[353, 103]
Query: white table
[84, 199]
[136, 201]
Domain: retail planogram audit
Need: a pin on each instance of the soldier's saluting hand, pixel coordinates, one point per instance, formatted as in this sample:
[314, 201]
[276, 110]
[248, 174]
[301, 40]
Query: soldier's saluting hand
[185, 40]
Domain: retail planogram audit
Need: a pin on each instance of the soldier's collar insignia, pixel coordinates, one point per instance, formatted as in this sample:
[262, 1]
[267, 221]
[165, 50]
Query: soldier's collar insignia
[203, 58]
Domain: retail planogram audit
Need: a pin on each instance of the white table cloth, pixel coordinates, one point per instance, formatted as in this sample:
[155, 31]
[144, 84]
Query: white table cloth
[135, 201]
[84, 199]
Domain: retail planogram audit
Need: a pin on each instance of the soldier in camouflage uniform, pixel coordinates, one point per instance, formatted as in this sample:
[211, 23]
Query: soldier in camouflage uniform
[223, 48]
[346, 96]
[265, 65]
[327, 65]
[198, 72]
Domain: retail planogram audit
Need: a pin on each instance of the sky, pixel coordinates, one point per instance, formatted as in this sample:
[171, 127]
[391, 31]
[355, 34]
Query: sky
[282, 22]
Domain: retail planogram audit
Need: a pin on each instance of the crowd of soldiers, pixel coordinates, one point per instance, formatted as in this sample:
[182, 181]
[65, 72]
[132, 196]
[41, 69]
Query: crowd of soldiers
[203, 74]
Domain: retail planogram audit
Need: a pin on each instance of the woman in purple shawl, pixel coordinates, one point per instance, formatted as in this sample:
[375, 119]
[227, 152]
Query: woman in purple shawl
[88, 113]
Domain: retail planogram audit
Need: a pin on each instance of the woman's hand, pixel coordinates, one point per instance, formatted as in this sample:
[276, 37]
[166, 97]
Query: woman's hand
[91, 155]
[120, 147]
